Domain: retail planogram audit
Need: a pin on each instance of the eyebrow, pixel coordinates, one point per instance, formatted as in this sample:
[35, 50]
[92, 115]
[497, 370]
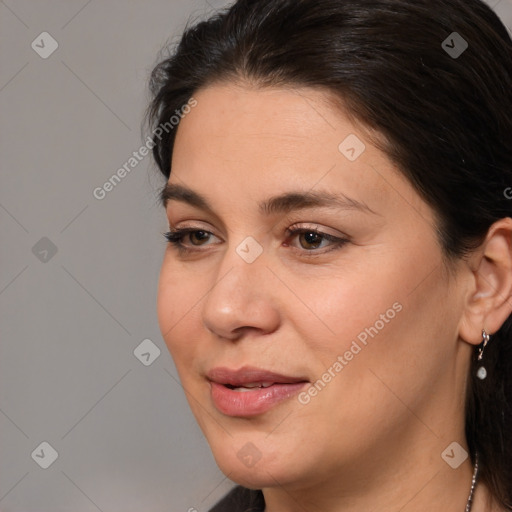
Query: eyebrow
[283, 203]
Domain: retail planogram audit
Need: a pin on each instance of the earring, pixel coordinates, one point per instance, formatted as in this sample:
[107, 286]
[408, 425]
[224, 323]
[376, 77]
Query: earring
[482, 372]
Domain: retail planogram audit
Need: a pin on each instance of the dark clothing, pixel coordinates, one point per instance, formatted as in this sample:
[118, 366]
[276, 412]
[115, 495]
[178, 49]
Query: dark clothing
[241, 499]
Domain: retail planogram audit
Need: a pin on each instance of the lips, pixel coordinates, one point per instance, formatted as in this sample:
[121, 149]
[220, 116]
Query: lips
[249, 391]
[248, 376]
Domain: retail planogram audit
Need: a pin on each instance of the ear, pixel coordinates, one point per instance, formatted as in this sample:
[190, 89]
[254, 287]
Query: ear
[489, 298]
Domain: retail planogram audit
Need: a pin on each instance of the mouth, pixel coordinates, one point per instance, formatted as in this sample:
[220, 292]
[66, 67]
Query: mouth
[250, 386]
[250, 391]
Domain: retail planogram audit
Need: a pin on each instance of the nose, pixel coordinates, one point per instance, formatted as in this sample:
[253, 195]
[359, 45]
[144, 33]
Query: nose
[242, 299]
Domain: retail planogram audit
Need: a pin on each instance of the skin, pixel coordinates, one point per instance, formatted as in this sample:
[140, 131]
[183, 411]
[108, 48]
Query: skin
[372, 439]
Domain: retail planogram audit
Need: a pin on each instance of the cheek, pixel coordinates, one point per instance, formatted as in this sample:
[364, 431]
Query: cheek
[393, 346]
[333, 312]
[380, 322]
[178, 302]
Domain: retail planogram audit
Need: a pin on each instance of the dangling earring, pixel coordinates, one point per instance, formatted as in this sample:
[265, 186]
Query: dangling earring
[482, 372]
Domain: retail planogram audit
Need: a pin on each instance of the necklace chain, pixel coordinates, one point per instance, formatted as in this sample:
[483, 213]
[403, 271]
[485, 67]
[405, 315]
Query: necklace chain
[469, 503]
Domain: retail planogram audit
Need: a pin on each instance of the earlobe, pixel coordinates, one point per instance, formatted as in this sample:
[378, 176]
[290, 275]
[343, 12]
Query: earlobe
[489, 301]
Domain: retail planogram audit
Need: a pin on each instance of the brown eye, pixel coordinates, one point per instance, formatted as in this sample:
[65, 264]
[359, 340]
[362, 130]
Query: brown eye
[310, 240]
[198, 237]
[185, 239]
[313, 243]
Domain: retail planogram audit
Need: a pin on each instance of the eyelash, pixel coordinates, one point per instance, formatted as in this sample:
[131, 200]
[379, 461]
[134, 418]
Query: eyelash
[176, 236]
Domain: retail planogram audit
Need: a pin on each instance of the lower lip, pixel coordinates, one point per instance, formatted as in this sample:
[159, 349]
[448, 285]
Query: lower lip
[251, 403]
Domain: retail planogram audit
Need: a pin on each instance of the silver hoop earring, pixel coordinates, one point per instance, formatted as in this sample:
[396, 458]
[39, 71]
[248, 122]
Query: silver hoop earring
[482, 372]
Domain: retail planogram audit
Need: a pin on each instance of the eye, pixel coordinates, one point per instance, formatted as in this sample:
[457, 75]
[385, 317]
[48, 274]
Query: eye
[312, 239]
[196, 237]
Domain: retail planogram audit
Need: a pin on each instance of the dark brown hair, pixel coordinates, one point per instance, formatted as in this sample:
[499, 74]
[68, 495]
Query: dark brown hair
[446, 120]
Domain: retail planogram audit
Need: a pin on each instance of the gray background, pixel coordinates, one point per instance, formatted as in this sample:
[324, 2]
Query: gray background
[71, 321]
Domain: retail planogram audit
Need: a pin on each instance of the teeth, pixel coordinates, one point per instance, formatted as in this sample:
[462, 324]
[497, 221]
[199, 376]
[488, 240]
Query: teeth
[258, 385]
[252, 385]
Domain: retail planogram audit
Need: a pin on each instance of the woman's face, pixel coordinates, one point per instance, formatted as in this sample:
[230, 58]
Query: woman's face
[312, 259]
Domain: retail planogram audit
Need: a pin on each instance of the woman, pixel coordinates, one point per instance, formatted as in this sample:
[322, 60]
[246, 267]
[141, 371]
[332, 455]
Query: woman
[336, 293]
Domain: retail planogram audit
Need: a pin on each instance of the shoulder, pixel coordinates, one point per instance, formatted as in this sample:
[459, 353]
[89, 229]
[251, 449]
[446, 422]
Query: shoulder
[240, 499]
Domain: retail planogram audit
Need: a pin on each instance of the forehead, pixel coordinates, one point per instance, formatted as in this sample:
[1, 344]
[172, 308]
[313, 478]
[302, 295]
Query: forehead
[242, 114]
[252, 142]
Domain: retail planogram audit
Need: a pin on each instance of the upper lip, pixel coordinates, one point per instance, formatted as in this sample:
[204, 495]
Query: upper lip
[249, 375]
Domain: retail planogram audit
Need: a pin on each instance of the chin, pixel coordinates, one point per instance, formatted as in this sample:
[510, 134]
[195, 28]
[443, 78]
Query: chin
[254, 462]
[257, 477]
